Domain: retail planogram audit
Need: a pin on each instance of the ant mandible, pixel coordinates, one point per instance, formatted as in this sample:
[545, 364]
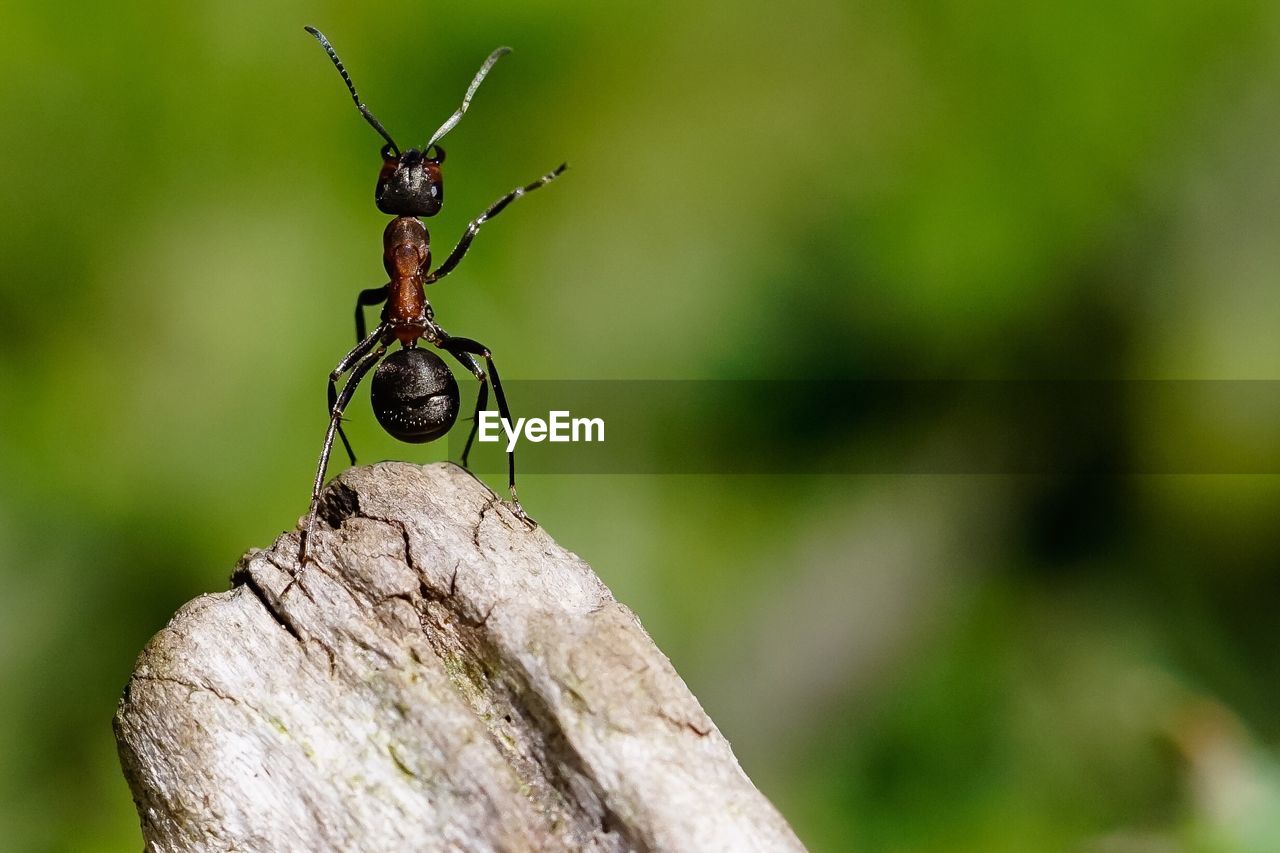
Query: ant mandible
[414, 394]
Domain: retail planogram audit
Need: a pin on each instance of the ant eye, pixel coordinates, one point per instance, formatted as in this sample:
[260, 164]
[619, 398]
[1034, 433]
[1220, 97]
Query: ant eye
[437, 156]
[387, 153]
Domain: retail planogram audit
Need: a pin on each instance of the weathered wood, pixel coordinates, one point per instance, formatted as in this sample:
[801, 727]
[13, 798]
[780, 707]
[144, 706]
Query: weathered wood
[439, 678]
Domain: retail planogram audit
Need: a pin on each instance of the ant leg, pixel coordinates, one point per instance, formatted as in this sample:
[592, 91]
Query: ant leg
[474, 226]
[366, 361]
[372, 296]
[346, 443]
[466, 345]
[362, 347]
[482, 396]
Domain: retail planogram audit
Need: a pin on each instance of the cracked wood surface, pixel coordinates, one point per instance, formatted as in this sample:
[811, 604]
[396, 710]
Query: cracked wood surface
[439, 677]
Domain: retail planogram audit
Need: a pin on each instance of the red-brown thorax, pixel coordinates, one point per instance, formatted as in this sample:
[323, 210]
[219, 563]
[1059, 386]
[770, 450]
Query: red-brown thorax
[406, 254]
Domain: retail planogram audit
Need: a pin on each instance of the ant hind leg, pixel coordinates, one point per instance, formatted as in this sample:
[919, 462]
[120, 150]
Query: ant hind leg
[465, 346]
[372, 296]
[482, 397]
[359, 361]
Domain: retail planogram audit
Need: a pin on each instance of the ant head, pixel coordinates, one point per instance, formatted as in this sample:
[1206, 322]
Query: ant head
[410, 183]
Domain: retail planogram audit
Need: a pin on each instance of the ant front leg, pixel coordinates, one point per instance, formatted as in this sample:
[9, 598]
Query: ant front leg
[473, 227]
[363, 357]
[372, 296]
[463, 349]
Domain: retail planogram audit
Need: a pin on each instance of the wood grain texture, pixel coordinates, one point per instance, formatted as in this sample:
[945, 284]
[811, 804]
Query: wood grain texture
[438, 678]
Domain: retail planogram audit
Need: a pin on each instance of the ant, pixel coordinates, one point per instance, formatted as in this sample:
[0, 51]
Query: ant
[414, 394]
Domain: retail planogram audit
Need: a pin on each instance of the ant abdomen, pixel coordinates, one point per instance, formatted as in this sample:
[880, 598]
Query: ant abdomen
[415, 396]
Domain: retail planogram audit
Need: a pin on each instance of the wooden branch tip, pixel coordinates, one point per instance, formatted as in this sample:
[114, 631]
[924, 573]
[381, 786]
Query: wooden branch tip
[437, 677]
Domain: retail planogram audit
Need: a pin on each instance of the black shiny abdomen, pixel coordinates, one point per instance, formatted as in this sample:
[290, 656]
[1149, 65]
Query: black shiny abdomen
[415, 396]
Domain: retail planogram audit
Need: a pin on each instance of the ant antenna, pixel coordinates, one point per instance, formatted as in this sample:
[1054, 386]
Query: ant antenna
[364, 111]
[452, 121]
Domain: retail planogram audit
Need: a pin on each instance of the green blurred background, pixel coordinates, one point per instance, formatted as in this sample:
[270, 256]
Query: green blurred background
[863, 190]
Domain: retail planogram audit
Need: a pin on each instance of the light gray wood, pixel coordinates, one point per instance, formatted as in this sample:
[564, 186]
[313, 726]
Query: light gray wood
[438, 678]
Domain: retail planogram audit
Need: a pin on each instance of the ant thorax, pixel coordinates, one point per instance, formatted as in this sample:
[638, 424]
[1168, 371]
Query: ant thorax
[406, 249]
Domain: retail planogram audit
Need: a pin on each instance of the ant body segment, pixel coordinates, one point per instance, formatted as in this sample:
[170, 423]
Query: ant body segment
[414, 394]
